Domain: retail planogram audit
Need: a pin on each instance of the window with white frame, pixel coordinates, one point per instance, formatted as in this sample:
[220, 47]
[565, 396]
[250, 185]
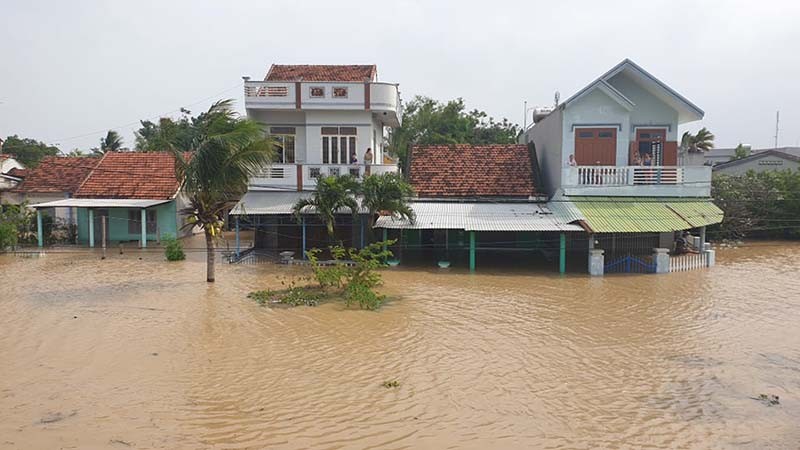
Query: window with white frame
[338, 145]
[284, 142]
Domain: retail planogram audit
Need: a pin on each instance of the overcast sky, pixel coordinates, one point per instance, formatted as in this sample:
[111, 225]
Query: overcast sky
[72, 70]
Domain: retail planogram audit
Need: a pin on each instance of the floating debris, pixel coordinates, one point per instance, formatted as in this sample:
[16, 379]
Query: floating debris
[768, 399]
[390, 384]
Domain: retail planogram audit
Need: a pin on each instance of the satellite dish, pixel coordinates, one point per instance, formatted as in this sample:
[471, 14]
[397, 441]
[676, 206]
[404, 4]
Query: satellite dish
[556, 98]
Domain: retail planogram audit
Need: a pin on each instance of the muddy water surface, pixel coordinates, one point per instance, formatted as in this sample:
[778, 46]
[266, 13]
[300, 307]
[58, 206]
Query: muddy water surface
[130, 353]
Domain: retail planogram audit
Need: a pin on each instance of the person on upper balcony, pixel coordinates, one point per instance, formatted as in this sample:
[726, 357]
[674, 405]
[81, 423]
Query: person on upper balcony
[572, 162]
[368, 156]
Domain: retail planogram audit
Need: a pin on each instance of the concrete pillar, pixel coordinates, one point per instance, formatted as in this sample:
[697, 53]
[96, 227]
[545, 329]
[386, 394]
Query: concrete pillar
[472, 251]
[661, 259]
[144, 228]
[39, 231]
[91, 228]
[596, 262]
[702, 237]
[238, 242]
[711, 257]
[562, 253]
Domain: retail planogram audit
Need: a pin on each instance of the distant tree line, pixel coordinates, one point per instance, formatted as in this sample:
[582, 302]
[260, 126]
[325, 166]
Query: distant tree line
[757, 204]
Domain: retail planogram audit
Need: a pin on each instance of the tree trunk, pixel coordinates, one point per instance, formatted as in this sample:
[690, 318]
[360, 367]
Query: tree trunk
[209, 257]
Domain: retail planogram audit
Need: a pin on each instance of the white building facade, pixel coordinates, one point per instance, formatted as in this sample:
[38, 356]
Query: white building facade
[323, 119]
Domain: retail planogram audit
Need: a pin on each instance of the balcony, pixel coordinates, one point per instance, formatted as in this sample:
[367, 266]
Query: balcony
[303, 177]
[382, 99]
[637, 181]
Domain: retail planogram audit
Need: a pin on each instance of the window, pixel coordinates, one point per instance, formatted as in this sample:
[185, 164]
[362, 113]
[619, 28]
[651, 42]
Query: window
[277, 91]
[135, 221]
[284, 140]
[585, 134]
[338, 147]
[340, 92]
[334, 171]
[314, 172]
[317, 92]
[605, 134]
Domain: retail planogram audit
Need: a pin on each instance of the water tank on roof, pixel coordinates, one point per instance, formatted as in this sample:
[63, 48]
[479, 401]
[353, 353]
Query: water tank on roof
[540, 112]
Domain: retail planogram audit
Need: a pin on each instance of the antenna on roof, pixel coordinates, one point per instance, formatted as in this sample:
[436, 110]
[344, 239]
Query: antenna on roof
[556, 98]
[777, 122]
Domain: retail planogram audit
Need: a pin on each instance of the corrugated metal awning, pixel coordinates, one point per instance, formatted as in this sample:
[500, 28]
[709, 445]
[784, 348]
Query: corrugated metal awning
[477, 216]
[646, 215]
[272, 203]
[100, 203]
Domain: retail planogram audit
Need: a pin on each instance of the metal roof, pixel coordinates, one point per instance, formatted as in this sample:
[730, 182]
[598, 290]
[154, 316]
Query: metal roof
[273, 203]
[646, 215]
[100, 203]
[481, 216]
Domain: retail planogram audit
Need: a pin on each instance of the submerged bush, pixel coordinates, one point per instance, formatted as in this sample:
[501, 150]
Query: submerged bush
[357, 275]
[173, 249]
[294, 296]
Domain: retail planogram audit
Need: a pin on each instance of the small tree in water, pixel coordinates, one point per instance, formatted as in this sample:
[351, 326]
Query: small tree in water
[226, 151]
[387, 194]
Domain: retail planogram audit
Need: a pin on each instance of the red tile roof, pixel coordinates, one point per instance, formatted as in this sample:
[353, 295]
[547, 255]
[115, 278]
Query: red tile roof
[280, 72]
[57, 174]
[17, 172]
[465, 170]
[136, 175]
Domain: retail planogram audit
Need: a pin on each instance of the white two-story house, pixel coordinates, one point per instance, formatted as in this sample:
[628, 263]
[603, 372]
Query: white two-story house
[324, 119]
[610, 152]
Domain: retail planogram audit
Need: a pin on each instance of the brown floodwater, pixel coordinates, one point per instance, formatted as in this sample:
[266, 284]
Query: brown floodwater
[139, 353]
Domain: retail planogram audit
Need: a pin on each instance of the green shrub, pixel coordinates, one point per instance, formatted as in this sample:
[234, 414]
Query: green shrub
[293, 296]
[8, 235]
[173, 249]
[358, 279]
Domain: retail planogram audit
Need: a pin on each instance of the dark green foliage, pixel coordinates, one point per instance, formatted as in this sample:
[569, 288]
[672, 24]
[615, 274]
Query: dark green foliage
[702, 141]
[28, 151]
[764, 204]
[167, 133]
[740, 152]
[357, 275]
[332, 194]
[387, 193]
[173, 248]
[427, 121]
[17, 224]
[8, 235]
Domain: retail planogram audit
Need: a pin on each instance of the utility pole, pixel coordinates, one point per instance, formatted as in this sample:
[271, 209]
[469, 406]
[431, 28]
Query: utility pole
[777, 123]
[525, 116]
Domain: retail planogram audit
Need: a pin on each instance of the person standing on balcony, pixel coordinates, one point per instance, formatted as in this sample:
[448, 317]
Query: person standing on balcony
[572, 162]
[368, 156]
[353, 158]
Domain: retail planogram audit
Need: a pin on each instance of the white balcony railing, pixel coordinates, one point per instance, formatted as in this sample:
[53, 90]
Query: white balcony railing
[637, 180]
[383, 99]
[285, 176]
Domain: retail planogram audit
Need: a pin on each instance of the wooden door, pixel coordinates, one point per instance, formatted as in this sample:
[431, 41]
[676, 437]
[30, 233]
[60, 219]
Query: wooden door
[596, 146]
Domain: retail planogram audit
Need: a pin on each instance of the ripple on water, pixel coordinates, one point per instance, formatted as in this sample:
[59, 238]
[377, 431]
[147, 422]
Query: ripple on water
[146, 352]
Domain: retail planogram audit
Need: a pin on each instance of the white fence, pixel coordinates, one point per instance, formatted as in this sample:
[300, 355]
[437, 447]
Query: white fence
[628, 175]
[691, 261]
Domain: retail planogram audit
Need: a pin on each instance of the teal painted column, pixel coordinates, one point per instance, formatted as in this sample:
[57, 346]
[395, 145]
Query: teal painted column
[39, 231]
[304, 237]
[144, 228]
[385, 237]
[562, 254]
[237, 236]
[472, 251]
[91, 228]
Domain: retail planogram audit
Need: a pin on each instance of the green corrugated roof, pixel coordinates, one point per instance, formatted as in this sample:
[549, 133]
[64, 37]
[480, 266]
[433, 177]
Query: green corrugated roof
[646, 214]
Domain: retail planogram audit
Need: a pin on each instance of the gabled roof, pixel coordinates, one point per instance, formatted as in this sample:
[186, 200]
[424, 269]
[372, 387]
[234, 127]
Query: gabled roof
[687, 111]
[57, 174]
[132, 175]
[281, 72]
[470, 171]
[754, 156]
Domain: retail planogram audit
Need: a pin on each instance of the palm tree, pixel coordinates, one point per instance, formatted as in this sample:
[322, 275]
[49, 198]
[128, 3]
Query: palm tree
[702, 141]
[332, 194]
[111, 143]
[387, 194]
[226, 151]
